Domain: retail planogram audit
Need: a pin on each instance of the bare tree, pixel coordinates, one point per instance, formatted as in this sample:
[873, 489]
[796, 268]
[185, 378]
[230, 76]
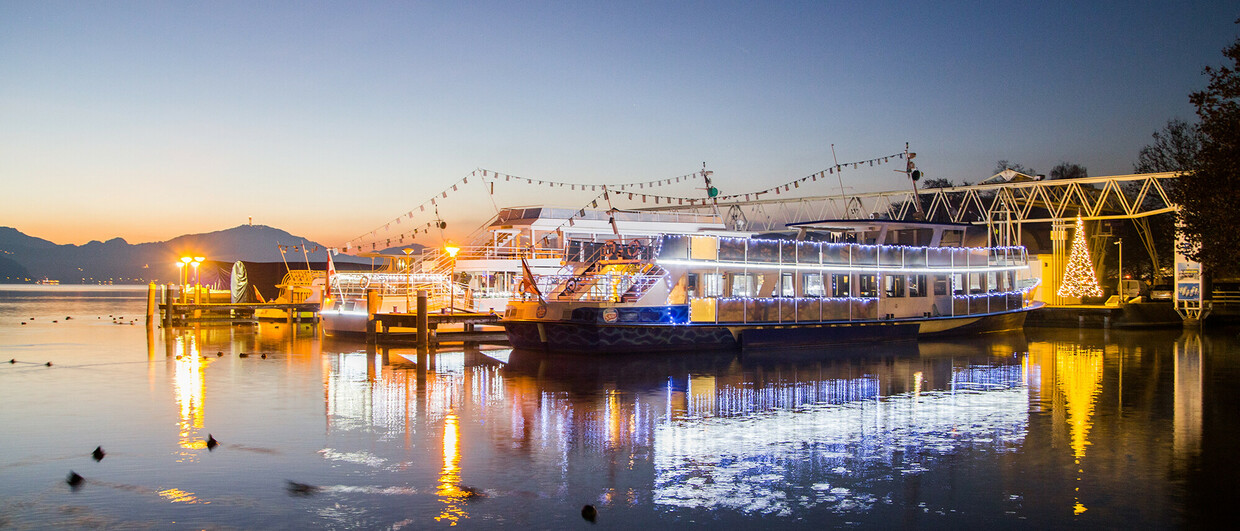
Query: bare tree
[1175, 148]
[1068, 170]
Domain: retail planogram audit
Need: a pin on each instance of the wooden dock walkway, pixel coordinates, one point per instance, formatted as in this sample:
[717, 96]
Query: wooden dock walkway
[403, 328]
[205, 306]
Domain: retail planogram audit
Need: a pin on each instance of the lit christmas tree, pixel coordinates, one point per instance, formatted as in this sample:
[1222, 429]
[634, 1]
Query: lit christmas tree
[1079, 279]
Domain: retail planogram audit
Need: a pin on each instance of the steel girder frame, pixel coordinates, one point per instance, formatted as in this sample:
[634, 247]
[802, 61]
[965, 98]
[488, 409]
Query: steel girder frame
[1115, 197]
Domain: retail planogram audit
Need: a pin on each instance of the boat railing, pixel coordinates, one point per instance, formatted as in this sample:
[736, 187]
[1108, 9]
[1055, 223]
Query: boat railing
[733, 250]
[725, 310]
[435, 258]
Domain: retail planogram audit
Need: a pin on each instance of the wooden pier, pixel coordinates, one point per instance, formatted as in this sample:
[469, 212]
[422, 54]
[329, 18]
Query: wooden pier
[204, 306]
[421, 327]
[403, 328]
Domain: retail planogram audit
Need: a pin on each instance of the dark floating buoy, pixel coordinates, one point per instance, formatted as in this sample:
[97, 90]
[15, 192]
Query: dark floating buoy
[220, 353]
[14, 360]
[67, 317]
[23, 323]
[74, 480]
[98, 453]
[589, 513]
[300, 489]
[49, 364]
[264, 356]
[471, 492]
[55, 321]
[211, 442]
[243, 355]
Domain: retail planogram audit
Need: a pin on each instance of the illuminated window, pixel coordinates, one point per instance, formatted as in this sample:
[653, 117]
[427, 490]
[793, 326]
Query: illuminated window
[894, 285]
[712, 285]
[940, 284]
[813, 286]
[917, 285]
[867, 285]
[839, 285]
[744, 285]
[787, 288]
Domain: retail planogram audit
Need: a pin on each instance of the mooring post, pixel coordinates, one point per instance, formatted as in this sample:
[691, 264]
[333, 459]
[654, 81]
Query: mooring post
[422, 320]
[152, 304]
[372, 307]
[168, 306]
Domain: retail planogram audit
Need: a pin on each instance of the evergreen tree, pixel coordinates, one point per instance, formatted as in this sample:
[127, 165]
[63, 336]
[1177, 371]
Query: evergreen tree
[1078, 277]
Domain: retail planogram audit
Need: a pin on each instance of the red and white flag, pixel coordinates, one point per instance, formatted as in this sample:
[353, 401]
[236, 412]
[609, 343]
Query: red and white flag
[528, 284]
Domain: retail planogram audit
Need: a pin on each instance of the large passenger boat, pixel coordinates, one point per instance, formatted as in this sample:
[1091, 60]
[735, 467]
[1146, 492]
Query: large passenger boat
[817, 283]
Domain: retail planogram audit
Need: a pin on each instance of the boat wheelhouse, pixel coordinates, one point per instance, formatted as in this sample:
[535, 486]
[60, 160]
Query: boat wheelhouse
[818, 283]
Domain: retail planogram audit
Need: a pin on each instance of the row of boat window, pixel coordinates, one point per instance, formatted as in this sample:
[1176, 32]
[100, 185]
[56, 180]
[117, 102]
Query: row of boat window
[841, 284]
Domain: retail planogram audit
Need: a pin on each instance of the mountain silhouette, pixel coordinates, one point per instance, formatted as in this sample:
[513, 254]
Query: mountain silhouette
[26, 258]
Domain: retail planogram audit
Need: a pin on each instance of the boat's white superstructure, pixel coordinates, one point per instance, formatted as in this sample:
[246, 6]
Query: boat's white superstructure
[819, 282]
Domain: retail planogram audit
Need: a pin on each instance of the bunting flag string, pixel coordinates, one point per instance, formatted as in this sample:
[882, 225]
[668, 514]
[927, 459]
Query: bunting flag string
[571, 221]
[491, 174]
[629, 190]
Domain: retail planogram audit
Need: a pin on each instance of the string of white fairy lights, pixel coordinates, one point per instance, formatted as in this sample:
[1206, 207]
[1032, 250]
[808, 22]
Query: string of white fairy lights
[384, 234]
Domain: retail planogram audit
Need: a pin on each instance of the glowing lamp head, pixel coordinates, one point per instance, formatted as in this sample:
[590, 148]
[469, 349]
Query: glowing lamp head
[186, 259]
[451, 249]
[199, 259]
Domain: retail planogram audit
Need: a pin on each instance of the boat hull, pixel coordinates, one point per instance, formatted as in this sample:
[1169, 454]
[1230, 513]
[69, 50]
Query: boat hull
[567, 335]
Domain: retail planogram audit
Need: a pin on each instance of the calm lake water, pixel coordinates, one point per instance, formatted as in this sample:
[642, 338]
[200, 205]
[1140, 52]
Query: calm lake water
[1049, 428]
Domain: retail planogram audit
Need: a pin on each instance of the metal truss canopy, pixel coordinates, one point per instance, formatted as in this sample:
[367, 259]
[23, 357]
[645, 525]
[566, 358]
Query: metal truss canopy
[1093, 198]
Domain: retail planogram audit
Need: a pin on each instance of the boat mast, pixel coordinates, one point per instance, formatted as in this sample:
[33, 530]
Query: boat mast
[914, 175]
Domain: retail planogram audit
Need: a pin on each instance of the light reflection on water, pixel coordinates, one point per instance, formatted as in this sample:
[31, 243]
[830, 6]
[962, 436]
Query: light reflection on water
[1046, 428]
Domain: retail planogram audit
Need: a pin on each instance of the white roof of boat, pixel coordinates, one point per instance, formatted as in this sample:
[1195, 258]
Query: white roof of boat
[869, 225]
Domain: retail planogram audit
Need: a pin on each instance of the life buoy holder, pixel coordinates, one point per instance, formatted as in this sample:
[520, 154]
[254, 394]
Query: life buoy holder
[633, 250]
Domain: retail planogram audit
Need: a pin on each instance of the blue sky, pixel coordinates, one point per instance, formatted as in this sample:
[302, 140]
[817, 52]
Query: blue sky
[149, 120]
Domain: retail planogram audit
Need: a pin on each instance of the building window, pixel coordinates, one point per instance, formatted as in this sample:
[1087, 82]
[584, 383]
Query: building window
[940, 284]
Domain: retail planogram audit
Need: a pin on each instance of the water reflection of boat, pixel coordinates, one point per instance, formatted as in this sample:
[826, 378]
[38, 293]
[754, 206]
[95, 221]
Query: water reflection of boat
[830, 282]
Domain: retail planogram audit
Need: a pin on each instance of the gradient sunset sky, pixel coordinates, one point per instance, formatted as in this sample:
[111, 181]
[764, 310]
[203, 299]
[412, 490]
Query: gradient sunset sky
[147, 120]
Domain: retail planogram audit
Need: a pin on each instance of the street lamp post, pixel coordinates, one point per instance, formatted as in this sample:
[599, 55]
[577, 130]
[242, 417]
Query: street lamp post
[180, 275]
[452, 249]
[197, 280]
[185, 260]
[1120, 269]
